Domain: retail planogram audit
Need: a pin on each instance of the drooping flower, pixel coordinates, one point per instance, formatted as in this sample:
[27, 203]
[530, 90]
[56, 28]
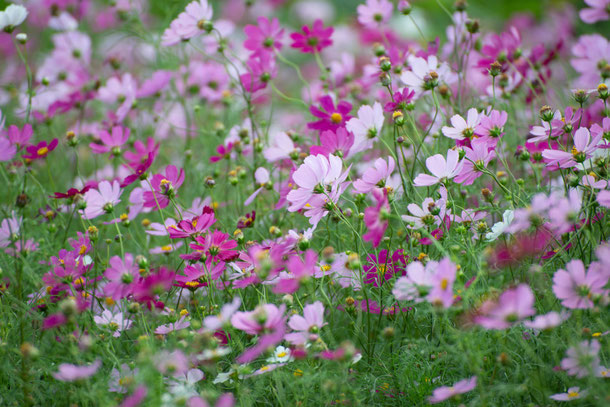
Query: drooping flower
[443, 393]
[102, 200]
[165, 187]
[366, 127]
[374, 13]
[313, 39]
[442, 169]
[513, 306]
[306, 327]
[575, 286]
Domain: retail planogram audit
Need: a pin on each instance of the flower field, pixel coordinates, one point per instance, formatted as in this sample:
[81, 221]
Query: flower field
[304, 203]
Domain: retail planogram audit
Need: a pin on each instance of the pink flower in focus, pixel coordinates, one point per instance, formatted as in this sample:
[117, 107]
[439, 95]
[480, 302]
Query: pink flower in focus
[337, 142]
[307, 326]
[442, 169]
[261, 68]
[102, 200]
[111, 142]
[331, 117]
[313, 39]
[583, 149]
[191, 22]
[443, 393]
[513, 306]
[375, 177]
[40, 150]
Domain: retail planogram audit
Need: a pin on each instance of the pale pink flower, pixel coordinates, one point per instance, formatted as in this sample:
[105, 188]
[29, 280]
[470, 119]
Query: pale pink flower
[442, 169]
[583, 359]
[583, 149]
[366, 127]
[513, 306]
[599, 10]
[375, 177]
[374, 13]
[115, 321]
[463, 129]
[573, 393]
[70, 373]
[102, 200]
[443, 393]
[575, 286]
[307, 326]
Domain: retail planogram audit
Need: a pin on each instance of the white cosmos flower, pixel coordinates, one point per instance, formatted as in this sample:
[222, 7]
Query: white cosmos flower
[12, 16]
[500, 227]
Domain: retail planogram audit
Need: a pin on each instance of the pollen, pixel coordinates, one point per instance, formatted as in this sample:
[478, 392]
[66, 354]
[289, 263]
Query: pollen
[165, 182]
[184, 313]
[82, 250]
[325, 267]
[281, 354]
[193, 284]
[336, 118]
[42, 151]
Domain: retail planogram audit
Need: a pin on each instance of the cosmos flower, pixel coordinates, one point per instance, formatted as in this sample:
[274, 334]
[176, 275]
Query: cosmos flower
[443, 393]
[312, 40]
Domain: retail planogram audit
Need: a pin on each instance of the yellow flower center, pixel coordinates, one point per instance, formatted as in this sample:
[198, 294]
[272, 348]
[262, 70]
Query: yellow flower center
[109, 301]
[281, 354]
[123, 217]
[572, 394]
[336, 118]
[325, 267]
[82, 249]
[184, 313]
[192, 284]
[167, 248]
[165, 182]
[444, 283]
[42, 151]
[264, 368]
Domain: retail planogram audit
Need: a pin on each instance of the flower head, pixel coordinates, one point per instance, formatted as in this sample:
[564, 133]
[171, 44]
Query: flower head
[314, 39]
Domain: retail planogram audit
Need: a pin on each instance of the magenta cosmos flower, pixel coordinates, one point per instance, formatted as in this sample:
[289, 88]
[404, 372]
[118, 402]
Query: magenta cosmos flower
[313, 39]
[69, 373]
[512, 307]
[337, 143]
[376, 218]
[261, 68]
[374, 13]
[122, 276]
[308, 326]
[599, 10]
[102, 200]
[266, 320]
[442, 169]
[164, 187]
[264, 37]
[40, 150]
[21, 137]
[331, 117]
[111, 142]
[445, 392]
[583, 149]
[576, 287]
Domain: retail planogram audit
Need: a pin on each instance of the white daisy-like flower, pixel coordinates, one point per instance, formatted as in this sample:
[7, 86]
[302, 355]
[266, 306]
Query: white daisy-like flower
[499, 228]
[281, 355]
[12, 16]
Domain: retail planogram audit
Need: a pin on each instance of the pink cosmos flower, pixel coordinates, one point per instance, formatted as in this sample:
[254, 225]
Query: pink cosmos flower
[313, 39]
[173, 363]
[565, 212]
[603, 198]
[317, 175]
[463, 129]
[442, 169]
[281, 147]
[429, 213]
[111, 142]
[491, 126]
[558, 126]
[307, 326]
[331, 117]
[502, 46]
[182, 323]
[441, 293]
[266, 320]
[213, 323]
[599, 10]
[425, 74]
[102, 200]
[155, 84]
[216, 246]
[208, 79]
[40, 150]
[376, 218]
[375, 177]
[443, 393]
[70, 373]
[583, 149]
[264, 37]
[573, 393]
[261, 68]
[477, 157]
[366, 127]
[583, 359]
[298, 270]
[591, 53]
[20, 138]
[576, 286]
[402, 99]
[513, 306]
[122, 90]
[115, 321]
[122, 275]
[191, 22]
[374, 13]
[136, 398]
[337, 143]
[7, 150]
[165, 187]
[193, 227]
[547, 321]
